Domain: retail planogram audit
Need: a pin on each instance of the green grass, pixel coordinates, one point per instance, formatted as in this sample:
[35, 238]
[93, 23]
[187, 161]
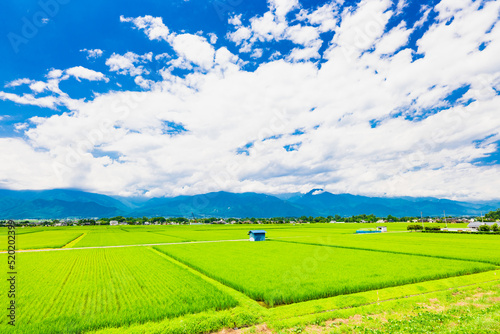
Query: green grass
[469, 309]
[42, 239]
[484, 248]
[78, 290]
[140, 290]
[121, 237]
[281, 273]
[96, 236]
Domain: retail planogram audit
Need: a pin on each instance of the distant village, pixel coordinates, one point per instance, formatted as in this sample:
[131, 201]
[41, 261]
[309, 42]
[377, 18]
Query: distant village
[473, 222]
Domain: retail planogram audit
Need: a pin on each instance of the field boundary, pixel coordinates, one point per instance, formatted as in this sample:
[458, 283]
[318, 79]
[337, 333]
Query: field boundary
[238, 295]
[390, 293]
[366, 309]
[121, 246]
[75, 241]
[389, 251]
[276, 319]
[400, 297]
[236, 286]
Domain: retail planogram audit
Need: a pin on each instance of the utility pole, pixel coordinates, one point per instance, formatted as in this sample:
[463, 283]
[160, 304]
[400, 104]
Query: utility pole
[422, 220]
[445, 220]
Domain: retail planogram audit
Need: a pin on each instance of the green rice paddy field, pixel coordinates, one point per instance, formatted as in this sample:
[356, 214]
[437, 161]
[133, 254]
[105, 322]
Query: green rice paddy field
[197, 279]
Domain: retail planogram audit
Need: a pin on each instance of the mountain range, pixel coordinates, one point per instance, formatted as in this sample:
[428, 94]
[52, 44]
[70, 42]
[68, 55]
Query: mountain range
[64, 203]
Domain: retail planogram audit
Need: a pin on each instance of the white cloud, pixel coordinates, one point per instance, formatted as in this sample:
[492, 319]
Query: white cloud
[346, 108]
[425, 10]
[195, 49]
[92, 53]
[153, 26]
[303, 35]
[273, 26]
[283, 7]
[143, 83]
[361, 28]
[213, 38]
[226, 60]
[79, 72]
[257, 53]
[298, 54]
[324, 16]
[55, 74]
[402, 4]
[394, 39]
[14, 151]
[20, 126]
[162, 56]
[189, 48]
[241, 34]
[38, 86]
[57, 97]
[235, 20]
[125, 64]
[29, 99]
[19, 82]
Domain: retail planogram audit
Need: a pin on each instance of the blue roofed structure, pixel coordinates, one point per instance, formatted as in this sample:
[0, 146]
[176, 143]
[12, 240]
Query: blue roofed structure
[257, 235]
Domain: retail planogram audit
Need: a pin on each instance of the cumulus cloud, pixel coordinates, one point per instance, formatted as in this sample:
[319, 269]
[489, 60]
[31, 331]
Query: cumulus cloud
[283, 7]
[92, 53]
[29, 99]
[55, 74]
[273, 26]
[51, 86]
[79, 72]
[153, 27]
[324, 17]
[394, 39]
[126, 64]
[368, 118]
[19, 82]
[190, 49]
[213, 38]
[195, 49]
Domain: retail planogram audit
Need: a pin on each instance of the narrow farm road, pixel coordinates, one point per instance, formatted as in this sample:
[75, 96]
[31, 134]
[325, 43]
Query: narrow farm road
[138, 245]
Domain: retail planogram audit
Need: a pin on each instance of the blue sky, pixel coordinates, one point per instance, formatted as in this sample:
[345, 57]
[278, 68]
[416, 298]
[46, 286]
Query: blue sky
[385, 98]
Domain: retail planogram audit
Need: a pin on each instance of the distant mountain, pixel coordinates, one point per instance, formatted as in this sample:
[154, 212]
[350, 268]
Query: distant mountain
[63, 203]
[220, 204]
[57, 203]
[325, 203]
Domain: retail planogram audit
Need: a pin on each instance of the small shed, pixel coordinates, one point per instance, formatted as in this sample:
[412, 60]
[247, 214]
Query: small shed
[257, 235]
[382, 228]
[475, 226]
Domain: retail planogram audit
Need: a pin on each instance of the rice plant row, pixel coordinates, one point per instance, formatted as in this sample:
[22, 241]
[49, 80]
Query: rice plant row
[43, 239]
[479, 248]
[80, 290]
[282, 273]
